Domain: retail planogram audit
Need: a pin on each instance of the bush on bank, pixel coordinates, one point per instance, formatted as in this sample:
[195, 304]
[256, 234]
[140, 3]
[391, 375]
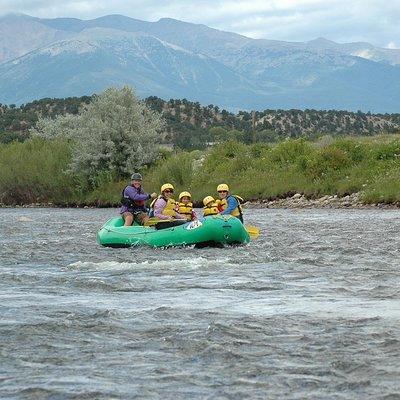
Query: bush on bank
[114, 134]
[37, 171]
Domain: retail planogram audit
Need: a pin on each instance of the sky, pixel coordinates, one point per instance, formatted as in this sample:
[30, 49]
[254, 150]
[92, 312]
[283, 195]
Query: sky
[373, 21]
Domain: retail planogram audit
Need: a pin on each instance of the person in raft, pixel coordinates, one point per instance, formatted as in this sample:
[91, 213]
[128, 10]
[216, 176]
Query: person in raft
[133, 201]
[165, 207]
[185, 206]
[229, 203]
[210, 206]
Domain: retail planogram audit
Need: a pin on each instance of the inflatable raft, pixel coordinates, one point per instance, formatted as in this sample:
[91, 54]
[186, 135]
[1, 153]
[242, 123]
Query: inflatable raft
[209, 231]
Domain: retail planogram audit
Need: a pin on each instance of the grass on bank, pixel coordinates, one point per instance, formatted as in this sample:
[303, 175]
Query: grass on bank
[37, 171]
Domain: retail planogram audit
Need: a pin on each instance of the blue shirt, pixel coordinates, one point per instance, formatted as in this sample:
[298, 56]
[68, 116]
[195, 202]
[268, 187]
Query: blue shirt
[232, 204]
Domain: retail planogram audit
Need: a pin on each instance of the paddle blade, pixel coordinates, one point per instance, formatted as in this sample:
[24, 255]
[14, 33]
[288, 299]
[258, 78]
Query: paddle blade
[253, 231]
[151, 221]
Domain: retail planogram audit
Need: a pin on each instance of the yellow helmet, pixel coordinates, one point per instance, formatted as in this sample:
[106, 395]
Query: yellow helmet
[207, 200]
[183, 194]
[166, 186]
[222, 186]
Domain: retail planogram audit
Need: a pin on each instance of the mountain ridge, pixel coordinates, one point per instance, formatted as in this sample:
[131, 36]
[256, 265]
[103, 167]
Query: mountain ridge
[192, 61]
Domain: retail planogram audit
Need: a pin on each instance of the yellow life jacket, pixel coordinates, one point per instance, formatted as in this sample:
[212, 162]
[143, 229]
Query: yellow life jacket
[210, 209]
[185, 209]
[238, 211]
[169, 209]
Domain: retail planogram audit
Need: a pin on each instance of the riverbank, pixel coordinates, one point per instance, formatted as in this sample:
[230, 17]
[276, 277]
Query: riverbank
[296, 201]
[313, 174]
[300, 201]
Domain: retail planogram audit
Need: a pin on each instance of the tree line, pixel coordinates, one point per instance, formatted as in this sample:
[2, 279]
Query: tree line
[190, 125]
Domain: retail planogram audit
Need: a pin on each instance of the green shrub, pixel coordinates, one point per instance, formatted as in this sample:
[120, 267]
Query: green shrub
[177, 169]
[289, 151]
[386, 151]
[36, 171]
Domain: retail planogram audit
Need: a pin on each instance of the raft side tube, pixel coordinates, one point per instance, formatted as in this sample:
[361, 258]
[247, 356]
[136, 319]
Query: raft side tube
[211, 230]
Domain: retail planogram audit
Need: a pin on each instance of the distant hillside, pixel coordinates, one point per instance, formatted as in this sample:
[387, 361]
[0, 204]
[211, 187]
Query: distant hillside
[286, 123]
[174, 59]
[189, 123]
[16, 121]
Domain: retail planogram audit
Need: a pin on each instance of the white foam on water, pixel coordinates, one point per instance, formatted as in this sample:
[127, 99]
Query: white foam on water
[24, 219]
[193, 262]
[323, 308]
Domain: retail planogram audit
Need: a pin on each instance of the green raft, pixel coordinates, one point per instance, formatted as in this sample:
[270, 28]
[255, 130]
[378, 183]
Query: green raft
[214, 230]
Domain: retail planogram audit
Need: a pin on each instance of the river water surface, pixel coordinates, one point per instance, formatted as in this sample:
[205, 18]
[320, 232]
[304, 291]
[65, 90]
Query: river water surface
[311, 309]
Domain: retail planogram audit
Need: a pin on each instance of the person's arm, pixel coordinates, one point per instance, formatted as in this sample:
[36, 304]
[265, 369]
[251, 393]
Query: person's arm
[159, 206]
[232, 204]
[134, 195]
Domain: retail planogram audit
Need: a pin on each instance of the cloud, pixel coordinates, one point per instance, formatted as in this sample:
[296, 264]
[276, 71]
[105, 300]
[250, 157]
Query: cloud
[292, 20]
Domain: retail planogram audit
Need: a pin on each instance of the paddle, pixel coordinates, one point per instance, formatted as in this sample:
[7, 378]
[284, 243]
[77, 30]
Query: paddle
[253, 231]
[152, 221]
[164, 223]
[169, 223]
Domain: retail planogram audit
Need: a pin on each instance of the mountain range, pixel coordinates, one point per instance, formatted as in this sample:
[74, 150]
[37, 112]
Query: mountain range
[173, 59]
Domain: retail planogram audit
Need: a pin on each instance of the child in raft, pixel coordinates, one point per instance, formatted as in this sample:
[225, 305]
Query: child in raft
[210, 206]
[185, 206]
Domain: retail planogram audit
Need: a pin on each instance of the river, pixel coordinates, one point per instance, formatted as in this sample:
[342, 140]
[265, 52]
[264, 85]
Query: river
[310, 310]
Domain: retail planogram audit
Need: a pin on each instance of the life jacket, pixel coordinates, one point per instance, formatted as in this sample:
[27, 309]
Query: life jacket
[238, 211]
[219, 205]
[210, 209]
[186, 210]
[170, 209]
[128, 202]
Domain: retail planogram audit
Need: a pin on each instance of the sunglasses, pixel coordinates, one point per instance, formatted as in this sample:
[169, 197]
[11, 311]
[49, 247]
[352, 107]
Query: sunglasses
[222, 191]
[168, 191]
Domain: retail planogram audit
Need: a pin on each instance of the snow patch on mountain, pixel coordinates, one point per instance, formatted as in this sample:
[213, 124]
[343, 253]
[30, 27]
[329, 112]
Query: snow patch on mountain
[174, 46]
[364, 53]
[306, 80]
